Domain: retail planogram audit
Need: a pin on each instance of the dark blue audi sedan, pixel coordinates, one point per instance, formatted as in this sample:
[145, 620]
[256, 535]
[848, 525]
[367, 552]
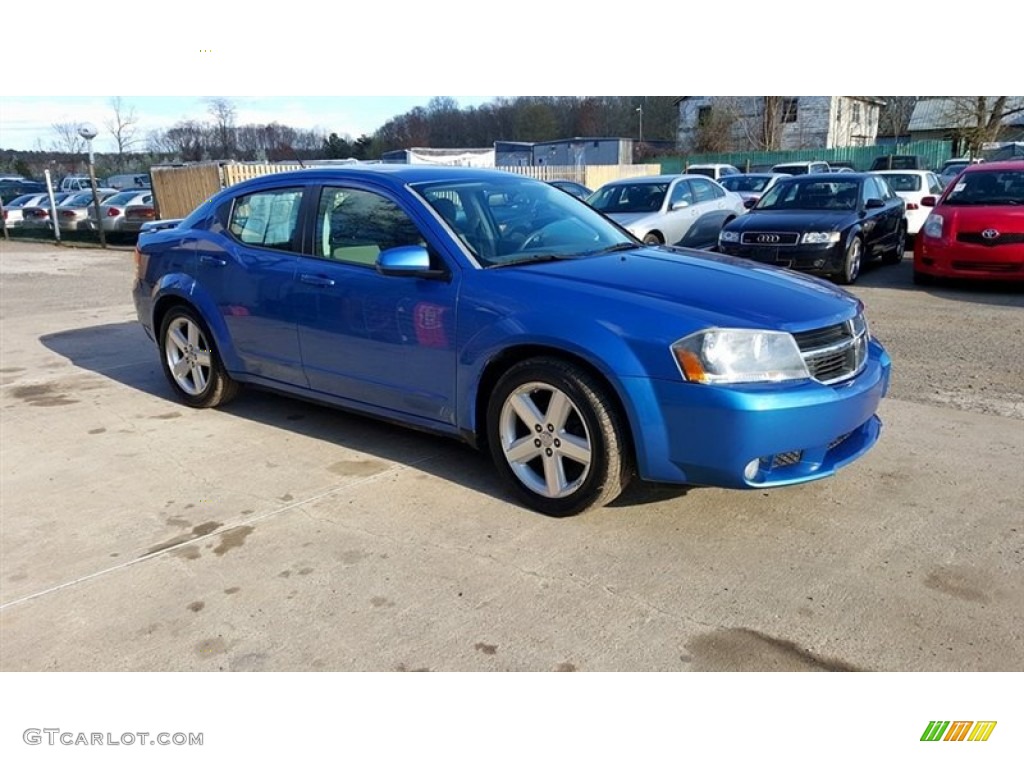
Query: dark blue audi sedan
[575, 354]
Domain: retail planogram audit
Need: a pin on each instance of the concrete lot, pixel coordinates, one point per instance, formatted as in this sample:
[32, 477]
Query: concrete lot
[138, 534]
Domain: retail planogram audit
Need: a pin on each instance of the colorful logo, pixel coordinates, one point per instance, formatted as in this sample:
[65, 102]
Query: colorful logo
[958, 730]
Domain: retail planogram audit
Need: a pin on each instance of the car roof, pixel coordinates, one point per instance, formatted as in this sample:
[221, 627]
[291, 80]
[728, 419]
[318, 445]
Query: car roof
[832, 178]
[1000, 165]
[883, 171]
[662, 178]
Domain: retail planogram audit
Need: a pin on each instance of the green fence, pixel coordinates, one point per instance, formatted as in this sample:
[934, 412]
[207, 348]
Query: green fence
[935, 154]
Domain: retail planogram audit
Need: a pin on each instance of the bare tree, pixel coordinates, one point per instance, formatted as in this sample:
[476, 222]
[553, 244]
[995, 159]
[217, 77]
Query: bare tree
[716, 123]
[224, 113]
[68, 139]
[977, 120]
[123, 126]
[894, 117]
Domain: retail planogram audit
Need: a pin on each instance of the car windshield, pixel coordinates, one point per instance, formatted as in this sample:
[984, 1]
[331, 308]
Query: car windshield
[642, 197]
[745, 183]
[988, 188]
[904, 182]
[518, 220]
[20, 201]
[952, 169]
[811, 195]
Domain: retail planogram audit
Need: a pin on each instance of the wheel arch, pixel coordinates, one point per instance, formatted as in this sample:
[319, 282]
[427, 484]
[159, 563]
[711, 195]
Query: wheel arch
[203, 305]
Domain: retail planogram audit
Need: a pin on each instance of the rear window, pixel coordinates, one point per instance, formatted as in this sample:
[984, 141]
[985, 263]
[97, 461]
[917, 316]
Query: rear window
[792, 170]
[904, 182]
[698, 171]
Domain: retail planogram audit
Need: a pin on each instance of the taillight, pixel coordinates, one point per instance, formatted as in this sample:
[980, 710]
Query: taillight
[113, 212]
[68, 214]
[138, 263]
[912, 206]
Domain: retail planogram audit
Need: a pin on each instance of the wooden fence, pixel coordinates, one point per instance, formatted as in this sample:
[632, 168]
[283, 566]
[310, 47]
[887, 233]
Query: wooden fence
[180, 189]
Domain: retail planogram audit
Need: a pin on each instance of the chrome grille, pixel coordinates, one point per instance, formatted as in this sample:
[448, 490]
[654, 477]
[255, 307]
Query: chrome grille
[769, 238]
[837, 352]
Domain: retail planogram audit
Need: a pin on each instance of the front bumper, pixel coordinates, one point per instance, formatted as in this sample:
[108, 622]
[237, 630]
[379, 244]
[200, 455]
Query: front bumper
[708, 435]
[954, 259]
[821, 259]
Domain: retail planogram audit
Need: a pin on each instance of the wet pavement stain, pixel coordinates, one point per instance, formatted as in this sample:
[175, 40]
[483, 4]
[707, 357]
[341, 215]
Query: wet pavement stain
[178, 522]
[404, 668]
[286, 497]
[97, 431]
[43, 395]
[747, 650]
[958, 581]
[284, 574]
[191, 552]
[172, 415]
[17, 577]
[381, 602]
[247, 511]
[197, 606]
[200, 530]
[305, 571]
[11, 370]
[565, 666]
[233, 539]
[487, 650]
[352, 556]
[232, 590]
[362, 468]
[211, 646]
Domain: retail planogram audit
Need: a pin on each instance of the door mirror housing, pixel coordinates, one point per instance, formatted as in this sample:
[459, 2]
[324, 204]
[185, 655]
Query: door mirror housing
[681, 204]
[407, 261]
[875, 202]
[929, 201]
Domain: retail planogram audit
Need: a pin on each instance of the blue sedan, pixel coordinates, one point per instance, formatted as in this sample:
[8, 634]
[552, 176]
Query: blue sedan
[577, 355]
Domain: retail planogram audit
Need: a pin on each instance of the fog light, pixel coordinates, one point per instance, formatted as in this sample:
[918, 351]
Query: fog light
[750, 471]
[819, 262]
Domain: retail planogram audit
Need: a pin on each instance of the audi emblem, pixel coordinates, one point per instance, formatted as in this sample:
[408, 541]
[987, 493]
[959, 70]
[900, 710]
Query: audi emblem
[767, 238]
[990, 234]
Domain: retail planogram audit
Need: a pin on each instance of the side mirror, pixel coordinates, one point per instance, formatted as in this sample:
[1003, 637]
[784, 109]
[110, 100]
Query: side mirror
[680, 204]
[748, 204]
[874, 202]
[929, 202]
[407, 261]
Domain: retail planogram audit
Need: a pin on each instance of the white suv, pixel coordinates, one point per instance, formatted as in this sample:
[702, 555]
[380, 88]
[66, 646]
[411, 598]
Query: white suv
[798, 169]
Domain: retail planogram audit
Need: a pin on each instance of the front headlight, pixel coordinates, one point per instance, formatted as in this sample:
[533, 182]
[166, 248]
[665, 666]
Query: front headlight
[932, 226]
[819, 238]
[728, 237]
[735, 356]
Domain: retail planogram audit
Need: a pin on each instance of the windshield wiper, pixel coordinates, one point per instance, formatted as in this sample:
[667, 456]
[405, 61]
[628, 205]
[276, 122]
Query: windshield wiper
[625, 246]
[540, 258]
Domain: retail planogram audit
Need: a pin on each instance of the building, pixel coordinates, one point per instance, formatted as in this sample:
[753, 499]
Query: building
[741, 123]
[472, 158]
[579, 151]
[950, 118]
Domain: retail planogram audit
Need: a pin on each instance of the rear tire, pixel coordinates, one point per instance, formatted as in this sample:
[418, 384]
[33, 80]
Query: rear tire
[191, 362]
[895, 256]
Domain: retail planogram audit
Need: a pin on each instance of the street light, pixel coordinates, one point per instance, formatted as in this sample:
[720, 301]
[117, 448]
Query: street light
[88, 132]
[640, 109]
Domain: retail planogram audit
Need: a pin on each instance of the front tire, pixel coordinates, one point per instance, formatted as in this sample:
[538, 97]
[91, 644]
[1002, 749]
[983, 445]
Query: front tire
[557, 438]
[191, 362]
[852, 261]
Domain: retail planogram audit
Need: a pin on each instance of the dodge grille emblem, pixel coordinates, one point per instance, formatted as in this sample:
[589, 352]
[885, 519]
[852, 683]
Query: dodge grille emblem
[990, 234]
[767, 238]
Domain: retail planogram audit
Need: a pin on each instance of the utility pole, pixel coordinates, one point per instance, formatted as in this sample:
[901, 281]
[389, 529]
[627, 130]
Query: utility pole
[88, 132]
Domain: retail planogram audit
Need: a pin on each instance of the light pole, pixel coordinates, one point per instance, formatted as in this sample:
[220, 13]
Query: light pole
[640, 110]
[88, 132]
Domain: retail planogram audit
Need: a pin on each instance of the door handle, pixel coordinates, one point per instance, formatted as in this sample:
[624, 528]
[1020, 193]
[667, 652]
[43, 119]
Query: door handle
[211, 261]
[316, 280]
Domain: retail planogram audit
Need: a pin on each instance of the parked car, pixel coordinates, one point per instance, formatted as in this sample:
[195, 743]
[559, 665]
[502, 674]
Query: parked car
[801, 168]
[573, 188]
[12, 210]
[716, 171]
[114, 209]
[37, 216]
[669, 210]
[750, 186]
[138, 216]
[823, 223]
[913, 186]
[900, 163]
[976, 228]
[127, 181]
[951, 168]
[13, 188]
[841, 166]
[73, 213]
[579, 357]
[75, 183]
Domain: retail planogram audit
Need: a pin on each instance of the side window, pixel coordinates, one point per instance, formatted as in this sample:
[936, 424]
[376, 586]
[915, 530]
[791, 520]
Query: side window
[267, 219]
[935, 184]
[703, 190]
[356, 225]
[681, 193]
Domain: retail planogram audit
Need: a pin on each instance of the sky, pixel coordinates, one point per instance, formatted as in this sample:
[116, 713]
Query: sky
[26, 122]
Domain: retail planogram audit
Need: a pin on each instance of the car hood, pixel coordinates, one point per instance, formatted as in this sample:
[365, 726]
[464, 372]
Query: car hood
[714, 290]
[975, 218]
[792, 221]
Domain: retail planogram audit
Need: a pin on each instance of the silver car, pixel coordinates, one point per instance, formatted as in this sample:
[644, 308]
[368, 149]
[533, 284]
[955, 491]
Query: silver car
[73, 213]
[113, 210]
[686, 210]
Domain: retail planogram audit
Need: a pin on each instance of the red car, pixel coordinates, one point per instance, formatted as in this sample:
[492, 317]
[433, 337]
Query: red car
[976, 229]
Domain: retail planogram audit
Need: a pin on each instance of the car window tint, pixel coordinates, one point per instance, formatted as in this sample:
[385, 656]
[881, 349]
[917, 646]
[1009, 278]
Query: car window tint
[356, 225]
[682, 193]
[268, 219]
[703, 191]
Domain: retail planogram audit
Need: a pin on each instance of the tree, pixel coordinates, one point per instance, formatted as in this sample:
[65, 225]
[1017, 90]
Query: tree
[123, 126]
[187, 139]
[68, 139]
[894, 117]
[336, 147]
[224, 139]
[977, 120]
